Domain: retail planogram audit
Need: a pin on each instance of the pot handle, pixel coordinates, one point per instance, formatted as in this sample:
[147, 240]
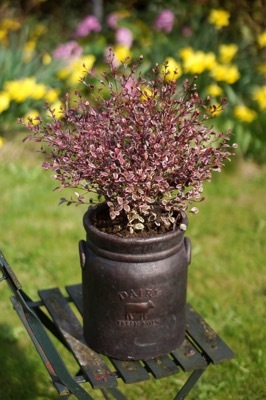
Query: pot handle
[187, 244]
[82, 253]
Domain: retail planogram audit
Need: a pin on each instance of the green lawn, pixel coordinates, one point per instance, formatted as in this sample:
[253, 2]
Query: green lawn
[226, 278]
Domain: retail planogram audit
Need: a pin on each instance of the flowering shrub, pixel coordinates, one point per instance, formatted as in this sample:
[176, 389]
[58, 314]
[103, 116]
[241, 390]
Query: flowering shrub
[144, 145]
[225, 46]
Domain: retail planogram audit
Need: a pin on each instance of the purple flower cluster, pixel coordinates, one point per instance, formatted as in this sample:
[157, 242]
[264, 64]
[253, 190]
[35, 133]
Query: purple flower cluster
[165, 21]
[124, 36]
[113, 19]
[68, 51]
[88, 25]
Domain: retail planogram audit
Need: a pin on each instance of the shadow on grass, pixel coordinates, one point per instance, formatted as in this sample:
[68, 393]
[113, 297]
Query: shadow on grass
[19, 369]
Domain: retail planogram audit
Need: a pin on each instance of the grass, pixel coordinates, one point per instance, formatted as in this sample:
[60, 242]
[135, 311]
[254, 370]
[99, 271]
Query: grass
[226, 278]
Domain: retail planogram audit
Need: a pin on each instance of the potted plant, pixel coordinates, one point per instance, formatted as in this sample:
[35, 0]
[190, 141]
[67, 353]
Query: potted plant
[141, 147]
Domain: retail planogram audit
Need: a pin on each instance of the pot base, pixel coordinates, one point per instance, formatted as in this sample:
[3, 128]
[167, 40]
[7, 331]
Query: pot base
[138, 349]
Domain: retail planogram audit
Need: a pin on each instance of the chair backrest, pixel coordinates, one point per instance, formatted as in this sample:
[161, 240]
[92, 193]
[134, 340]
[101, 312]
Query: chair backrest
[8, 274]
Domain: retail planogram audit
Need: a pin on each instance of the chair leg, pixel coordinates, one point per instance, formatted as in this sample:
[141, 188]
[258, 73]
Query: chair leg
[57, 370]
[116, 394]
[192, 380]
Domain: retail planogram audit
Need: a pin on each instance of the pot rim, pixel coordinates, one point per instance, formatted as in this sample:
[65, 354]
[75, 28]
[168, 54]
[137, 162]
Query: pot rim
[88, 225]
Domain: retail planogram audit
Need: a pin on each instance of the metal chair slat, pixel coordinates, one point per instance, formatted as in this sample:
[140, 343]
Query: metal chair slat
[75, 292]
[92, 365]
[206, 338]
[161, 367]
[189, 357]
[130, 371]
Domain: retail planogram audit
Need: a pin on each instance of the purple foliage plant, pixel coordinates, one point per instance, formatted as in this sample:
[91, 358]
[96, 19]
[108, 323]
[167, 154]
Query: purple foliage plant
[144, 145]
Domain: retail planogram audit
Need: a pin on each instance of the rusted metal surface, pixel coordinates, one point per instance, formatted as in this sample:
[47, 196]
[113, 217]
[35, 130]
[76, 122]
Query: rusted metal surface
[90, 362]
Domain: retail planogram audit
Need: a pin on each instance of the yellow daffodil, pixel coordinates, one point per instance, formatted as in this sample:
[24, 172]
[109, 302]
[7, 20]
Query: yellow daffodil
[172, 69]
[10, 24]
[7, 25]
[51, 95]
[226, 73]
[196, 62]
[46, 59]
[1, 142]
[4, 101]
[261, 39]
[39, 30]
[16, 90]
[227, 52]
[259, 95]
[186, 53]
[214, 90]
[39, 91]
[219, 18]
[122, 53]
[22, 89]
[244, 113]
[146, 93]
[215, 110]
[63, 73]
[29, 50]
[122, 13]
[57, 109]
[75, 70]
[32, 116]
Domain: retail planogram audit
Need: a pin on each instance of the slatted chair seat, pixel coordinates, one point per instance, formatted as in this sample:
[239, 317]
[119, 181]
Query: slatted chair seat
[54, 312]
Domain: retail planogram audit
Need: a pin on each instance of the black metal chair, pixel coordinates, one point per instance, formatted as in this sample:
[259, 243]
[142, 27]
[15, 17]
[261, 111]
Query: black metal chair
[201, 347]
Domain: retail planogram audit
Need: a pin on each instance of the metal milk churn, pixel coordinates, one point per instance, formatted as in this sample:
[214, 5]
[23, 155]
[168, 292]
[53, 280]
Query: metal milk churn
[134, 292]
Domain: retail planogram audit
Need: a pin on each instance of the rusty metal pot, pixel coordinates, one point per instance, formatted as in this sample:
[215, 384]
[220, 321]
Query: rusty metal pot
[134, 292]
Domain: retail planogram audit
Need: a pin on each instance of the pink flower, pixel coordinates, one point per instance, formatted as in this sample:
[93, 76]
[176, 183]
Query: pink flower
[124, 36]
[112, 20]
[88, 25]
[165, 21]
[68, 51]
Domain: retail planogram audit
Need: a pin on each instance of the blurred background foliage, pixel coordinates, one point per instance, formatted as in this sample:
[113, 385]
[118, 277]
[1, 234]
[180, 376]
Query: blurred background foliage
[43, 45]
[227, 283]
